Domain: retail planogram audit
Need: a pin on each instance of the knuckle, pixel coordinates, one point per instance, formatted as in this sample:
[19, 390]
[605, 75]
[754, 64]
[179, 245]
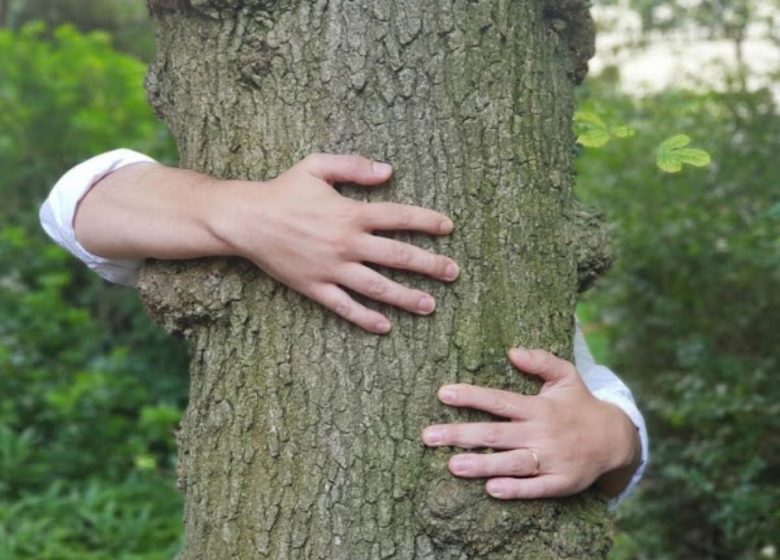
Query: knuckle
[358, 211]
[343, 309]
[404, 218]
[376, 287]
[492, 436]
[500, 405]
[518, 465]
[341, 245]
[400, 254]
[358, 163]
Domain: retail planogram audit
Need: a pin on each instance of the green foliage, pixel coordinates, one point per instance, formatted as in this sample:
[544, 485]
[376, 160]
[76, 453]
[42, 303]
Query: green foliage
[126, 20]
[690, 314]
[93, 390]
[64, 100]
[134, 519]
[593, 132]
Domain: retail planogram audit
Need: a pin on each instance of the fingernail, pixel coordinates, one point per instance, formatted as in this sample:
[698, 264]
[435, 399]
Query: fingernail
[446, 226]
[448, 395]
[518, 353]
[433, 436]
[461, 464]
[495, 488]
[381, 168]
[383, 326]
[426, 304]
[451, 272]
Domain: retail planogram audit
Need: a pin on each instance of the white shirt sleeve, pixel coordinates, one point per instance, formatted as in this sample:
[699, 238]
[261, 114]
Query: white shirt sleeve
[608, 387]
[59, 209]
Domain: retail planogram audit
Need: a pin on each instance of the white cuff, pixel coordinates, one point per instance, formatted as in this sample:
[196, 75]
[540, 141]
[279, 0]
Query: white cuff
[626, 404]
[59, 209]
[606, 386]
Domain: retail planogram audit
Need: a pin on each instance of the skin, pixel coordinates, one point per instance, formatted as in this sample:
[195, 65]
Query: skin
[578, 439]
[302, 232]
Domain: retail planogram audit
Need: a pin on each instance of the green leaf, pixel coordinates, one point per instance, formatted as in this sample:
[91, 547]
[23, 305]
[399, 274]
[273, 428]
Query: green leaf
[593, 138]
[594, 132]
[623, 132]
[694, 156]
[673, 154]
[587, 117]
[676, 141]
[668, 162]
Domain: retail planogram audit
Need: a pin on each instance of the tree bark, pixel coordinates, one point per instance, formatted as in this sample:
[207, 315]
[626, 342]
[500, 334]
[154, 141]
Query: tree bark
[302, 435]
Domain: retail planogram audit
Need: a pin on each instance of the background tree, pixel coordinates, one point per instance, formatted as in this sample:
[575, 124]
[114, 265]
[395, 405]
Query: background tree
[301, 437]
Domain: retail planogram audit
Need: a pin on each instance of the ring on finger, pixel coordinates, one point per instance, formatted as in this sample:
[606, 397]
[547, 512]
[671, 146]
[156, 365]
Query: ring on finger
[536, 461]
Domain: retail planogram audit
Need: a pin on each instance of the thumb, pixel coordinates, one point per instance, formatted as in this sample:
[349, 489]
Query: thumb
[347, 168]
[549, 367]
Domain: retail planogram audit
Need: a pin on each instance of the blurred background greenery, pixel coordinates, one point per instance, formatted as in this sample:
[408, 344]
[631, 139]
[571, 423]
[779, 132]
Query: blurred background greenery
[689, 315]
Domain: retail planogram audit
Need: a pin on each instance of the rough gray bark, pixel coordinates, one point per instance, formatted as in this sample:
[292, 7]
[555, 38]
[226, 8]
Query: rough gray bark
[301, 439]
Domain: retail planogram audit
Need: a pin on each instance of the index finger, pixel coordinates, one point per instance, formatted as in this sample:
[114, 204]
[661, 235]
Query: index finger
[391, 216]
[347, 168]
[495, 401]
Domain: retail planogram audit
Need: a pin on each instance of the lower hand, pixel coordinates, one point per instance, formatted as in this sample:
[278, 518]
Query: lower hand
[302, 232]
[556, 443]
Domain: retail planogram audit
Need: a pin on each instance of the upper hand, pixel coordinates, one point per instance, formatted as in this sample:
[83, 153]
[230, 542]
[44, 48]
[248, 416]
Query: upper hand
[577, 438]
[302, 232]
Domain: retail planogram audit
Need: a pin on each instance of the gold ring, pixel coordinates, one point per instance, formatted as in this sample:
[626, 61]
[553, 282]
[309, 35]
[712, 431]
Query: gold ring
[536, 461]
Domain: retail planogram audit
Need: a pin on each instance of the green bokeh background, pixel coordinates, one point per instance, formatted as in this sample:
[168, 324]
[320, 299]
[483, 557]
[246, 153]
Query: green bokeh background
[689, 316]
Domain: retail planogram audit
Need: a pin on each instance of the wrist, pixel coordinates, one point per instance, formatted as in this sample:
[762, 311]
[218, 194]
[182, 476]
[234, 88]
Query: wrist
[222, 206]
[626, 451]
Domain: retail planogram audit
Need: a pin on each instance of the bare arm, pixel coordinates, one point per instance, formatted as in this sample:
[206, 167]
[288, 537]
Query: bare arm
[296, 227]
[148, 210]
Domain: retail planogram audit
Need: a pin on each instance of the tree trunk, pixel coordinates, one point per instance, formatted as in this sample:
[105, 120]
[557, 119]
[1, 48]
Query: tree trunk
[302, 436]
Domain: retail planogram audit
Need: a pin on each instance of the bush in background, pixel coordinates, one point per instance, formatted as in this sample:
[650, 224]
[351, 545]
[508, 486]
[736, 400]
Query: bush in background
[91, 390]
[690, 316]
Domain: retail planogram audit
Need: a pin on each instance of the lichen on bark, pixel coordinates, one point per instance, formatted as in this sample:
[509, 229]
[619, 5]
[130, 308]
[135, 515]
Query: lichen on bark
[301, 438]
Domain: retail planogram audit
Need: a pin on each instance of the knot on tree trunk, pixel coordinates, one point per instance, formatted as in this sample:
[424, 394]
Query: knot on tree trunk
[593, 249]
[572, 22]
[454, 512]
[456, 516]
[182, 295]
[254, 61]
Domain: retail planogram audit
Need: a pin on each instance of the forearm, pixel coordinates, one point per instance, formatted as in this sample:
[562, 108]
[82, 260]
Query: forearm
[152, 211]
